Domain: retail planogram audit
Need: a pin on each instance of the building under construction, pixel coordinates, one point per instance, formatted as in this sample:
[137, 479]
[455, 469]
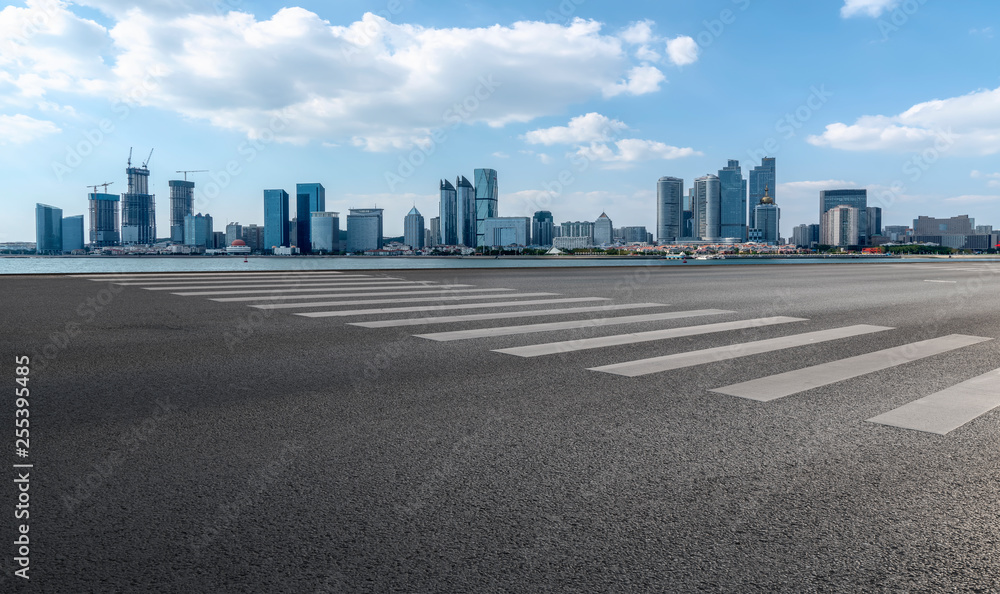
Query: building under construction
[138, 207]
[104, 220]
[181, 205]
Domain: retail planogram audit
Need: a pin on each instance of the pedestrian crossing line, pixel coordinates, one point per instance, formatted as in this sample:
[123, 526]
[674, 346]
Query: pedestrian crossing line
[440, 295]
[393, 310]
[337, 283]
[583, 344]
[942, 281]
[570, 325]
[409, 300]
[311, 289]
[311, 278]
[504, 315]
[182, 275]
[949, 409]
[785, 384]
[714, 355]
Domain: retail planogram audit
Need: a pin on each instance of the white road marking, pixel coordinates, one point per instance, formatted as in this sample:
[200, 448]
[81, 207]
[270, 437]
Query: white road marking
[792, 382]
[328, 283]
[441, 295]
[415, 300]
[949, 409]
[571, 325]
[714, 355]
[113, 276]
[320, 288]
[506, 314]
[270, 279]
[941, 281]
[392, 310]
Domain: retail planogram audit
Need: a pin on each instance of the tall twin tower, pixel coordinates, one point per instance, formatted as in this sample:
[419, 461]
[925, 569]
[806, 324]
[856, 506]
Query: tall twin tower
[465, 207]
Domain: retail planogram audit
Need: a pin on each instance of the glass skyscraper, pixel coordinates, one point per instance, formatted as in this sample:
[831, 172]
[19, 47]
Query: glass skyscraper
[104, 230]
[487, 198]
[465, 204]
[72, 233]
[449, 214]
[541, 228]
[181, 205]
[309, 198]
[413, 229]
[669, 209]
[275, 219]
[763, 177]
[604, 230]
[48, 229]
[198, 231]
[707, 207]
[733, 201]
[855, 198]
[364, 229]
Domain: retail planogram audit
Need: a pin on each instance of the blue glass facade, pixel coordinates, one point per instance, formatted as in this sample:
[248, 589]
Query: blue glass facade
[763, 177]
[48, 229]
[855, 198]
[669, 209]
[466, 211]
[275, 219]
[413, 229]
[708, 207]
[449, 214]
[104, 230]
[541, 228]
[72, 233]
[733, 202]
[364, 229]
[487, 198]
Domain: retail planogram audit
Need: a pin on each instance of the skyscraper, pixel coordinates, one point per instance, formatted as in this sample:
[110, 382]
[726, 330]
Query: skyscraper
[708, 207]
[435, 229]
[669, 209]
[841, 226]
[48, 229]
[309, 198]
[138, 209]
[761, 177]
[275, 219]
[855, 198]
[449, 214]
[604, 230]
[873, 226]
[72, 233]
[541, 228]
[198, 231]
[364, 229]
[324, 231]
[104, 230]
[768, 219]
[465, 212]
[181, 205]
[733, 201]
[413, 229]
[487, 200]
[234, 231]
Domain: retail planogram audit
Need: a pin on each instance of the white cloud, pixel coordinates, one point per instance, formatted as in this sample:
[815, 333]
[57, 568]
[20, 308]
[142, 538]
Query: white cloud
[640, 80]
[646, 54]
[871, 8]
[638, 33]
[501, 155]
[632, 150]
[682, 50]
[969, 124]
[976, 174]
[591, 127]
[972, 199]
[19, 129]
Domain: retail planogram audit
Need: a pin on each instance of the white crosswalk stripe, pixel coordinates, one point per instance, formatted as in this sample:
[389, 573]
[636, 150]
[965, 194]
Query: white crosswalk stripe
[313, 289]
[446, 295]
[792, 382]
[338, 283]
[949, 409]
[714, 355]
[571, 325]
[240, 281]
[424, 300]
[503, 314]
[204, 275]
[395, 310]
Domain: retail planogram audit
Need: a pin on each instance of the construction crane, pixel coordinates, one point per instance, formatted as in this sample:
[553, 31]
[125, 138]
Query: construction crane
[130, 156]
[186, 172]
[104, 185]
[144, 165]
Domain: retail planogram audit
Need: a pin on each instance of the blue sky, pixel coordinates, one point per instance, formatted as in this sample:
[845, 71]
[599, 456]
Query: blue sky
[579, 105]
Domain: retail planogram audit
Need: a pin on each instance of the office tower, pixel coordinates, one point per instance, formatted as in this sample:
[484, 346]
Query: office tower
[767, 217]
[428, 238]
[275, 219]
[841, 226]
[961, 225]
[48, 229]
[897, 232]
[603, 230]
[324, 232]
[506, 231]
[800, 236]
[814, 233]
[707, 207]
[449, 214]
[584, 229]
[435, 229]
[413, 229]
[761, 177]
[855, 198]
[733, 201]
[873, 226]
[218, 240]
[364, 229]
[984, 229]
[181, 205]
[465, 204]
[234, 231]
[309, 198]
[253, 236]
[104, 230]
[293, 232]
[138, 209]
[634, 234]
[688, 228]
[198, 231]
[487, 200]
[72, 233]
[669, 209]
[541, 228]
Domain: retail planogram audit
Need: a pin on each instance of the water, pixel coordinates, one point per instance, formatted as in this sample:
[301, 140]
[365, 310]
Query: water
[88, 265]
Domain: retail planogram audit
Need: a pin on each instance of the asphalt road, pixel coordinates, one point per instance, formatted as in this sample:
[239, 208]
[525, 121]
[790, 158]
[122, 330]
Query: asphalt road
[183, 444]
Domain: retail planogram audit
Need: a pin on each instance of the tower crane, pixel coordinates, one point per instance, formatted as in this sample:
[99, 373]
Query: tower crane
[186, 172]
[146, 163]
[104, 185]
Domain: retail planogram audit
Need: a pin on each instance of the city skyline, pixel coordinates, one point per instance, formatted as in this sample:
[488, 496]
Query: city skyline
[637, 95]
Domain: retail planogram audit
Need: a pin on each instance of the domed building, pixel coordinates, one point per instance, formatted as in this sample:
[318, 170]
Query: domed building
[767, 218]
[238, 248]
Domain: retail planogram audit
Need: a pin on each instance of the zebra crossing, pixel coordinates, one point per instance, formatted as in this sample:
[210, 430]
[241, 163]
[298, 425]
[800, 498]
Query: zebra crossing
[331, 294]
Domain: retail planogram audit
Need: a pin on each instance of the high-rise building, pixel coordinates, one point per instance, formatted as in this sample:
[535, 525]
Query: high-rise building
[465, 206]
[435, 229]
[364, 229]
[708, 207]
[487, 200]
[181, 205]
[961, 225]
[634, 235]
[324, 232]
[48, 229]
[584, 229]
[413, 229]
[104, 230]
[253, 236]
[449, 214]
[855, 198]
[733, 201]
[669, 209]
[198, 231]
[506, 231]
[234, 231]
[800, 236]
[873, 225]
[841, 226]
[309, 198]
[604, 230]
[688, 228]
[767, 217]
[541, 228]
[72, 233]
[275, 219]
[138, 209]
[763, 176]
[219, 240]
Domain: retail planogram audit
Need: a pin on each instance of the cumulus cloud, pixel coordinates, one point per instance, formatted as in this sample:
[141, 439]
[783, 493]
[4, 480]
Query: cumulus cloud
[632, 150]
[639, 33]
[972, 199]
[640, 80]
[19, 129]
[969, 124]
[870, 8]
[682, 50]
[591, 127]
